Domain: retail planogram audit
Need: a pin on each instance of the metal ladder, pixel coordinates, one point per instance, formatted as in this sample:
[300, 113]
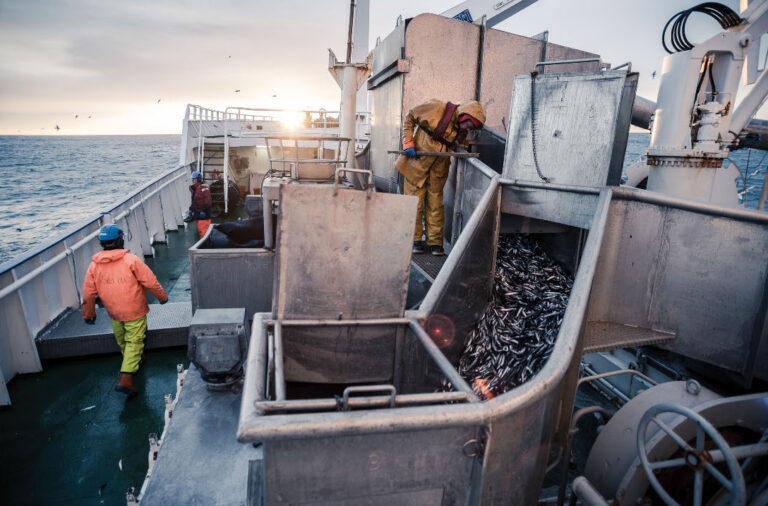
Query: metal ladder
[211, 165]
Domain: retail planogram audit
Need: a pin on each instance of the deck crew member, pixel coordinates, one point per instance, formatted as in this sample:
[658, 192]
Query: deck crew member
[433, 126]
[119, 279]
[201, 206]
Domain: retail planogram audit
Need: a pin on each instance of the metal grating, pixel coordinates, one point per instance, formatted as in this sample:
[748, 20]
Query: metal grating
[428, 264]
[604, 336]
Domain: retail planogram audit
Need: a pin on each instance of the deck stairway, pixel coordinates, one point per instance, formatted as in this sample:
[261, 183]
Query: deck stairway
[213, 170]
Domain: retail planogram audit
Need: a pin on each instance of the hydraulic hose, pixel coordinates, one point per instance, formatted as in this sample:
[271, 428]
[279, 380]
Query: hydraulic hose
[723, 14]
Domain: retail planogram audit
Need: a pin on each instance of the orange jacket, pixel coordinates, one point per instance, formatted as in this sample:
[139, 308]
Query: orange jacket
[119, 279]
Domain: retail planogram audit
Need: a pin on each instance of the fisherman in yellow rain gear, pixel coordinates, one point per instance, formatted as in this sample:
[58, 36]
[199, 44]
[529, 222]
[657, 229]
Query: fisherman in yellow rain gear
[119, 279]
[433, 126]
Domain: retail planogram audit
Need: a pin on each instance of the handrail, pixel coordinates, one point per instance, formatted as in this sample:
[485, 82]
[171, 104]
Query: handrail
[234, 113]
[33, 274]
[197, 112]
[16, 261]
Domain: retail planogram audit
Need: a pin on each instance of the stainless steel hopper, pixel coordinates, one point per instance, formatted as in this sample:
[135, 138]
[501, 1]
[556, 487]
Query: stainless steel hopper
[405, 441]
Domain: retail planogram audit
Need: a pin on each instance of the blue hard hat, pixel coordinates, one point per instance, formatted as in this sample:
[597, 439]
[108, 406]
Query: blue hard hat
[110, 233]
[196, 174]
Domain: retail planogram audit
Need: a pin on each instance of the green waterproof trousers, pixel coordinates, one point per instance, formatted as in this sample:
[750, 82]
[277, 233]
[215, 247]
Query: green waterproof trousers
[130, 338]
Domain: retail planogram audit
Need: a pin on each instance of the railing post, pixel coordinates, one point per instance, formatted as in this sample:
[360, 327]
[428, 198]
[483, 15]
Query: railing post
[225, 182]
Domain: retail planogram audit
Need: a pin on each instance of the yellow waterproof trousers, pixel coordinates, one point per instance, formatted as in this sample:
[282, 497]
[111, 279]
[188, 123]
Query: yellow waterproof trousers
[430, 207]
[130, 338]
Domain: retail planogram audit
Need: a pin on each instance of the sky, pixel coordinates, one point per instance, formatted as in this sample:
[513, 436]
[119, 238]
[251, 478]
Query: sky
[133, 66]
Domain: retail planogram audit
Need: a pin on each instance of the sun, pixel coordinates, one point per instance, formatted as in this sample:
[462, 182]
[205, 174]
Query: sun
[291, 119]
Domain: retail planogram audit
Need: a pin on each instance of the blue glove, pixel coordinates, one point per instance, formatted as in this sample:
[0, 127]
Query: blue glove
[90, 321]
[410, 153]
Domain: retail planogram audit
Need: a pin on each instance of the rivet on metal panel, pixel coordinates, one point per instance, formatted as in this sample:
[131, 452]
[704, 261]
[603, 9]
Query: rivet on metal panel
[473, 448]
[693, 387]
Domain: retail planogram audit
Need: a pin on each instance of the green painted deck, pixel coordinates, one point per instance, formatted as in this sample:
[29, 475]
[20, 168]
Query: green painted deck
[67, 432]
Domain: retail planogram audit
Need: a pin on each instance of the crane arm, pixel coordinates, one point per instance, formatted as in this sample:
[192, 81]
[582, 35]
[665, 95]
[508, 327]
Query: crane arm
[495, 11]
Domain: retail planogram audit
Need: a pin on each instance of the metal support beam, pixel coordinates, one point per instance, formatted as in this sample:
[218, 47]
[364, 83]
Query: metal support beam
[442, 362]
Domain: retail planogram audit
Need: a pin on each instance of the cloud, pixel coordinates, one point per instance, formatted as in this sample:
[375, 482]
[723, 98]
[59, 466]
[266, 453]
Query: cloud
[112, 58]
[38, 57]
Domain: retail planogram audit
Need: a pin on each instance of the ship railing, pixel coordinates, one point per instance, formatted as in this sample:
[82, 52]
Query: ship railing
[251, 122]
[288, 118]
[289, 156]
[42, 285]
[199, 113]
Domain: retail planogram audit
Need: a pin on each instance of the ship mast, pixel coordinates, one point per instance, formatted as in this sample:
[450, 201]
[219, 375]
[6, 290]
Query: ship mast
[350, 76]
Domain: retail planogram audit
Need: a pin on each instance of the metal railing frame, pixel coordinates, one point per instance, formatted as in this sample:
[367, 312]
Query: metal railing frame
[240, 114]
[43, 296]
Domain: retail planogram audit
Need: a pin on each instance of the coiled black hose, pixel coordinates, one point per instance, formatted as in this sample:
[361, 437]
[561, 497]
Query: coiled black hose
[677, 38]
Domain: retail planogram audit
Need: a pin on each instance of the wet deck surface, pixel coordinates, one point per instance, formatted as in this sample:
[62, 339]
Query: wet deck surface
[214, 472]
[68, 430]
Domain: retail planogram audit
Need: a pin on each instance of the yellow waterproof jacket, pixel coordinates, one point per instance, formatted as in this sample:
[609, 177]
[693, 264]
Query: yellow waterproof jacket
[422, 119]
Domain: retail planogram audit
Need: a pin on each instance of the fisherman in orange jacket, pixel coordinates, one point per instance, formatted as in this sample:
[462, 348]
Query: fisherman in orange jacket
[119, 279]
[433, 126]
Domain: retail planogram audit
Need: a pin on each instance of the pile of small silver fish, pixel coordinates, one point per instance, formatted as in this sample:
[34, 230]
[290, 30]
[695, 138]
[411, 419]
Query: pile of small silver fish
[515, 335]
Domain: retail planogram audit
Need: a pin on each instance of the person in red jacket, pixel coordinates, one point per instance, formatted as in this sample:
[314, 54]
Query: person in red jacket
[119, 279]
[202, 203]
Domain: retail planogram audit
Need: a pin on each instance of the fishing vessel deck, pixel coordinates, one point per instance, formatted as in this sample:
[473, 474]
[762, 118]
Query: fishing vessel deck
[74, 440]
[340, 363]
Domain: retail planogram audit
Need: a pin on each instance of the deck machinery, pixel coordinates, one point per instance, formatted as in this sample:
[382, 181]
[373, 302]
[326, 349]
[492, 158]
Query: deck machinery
[342, 399]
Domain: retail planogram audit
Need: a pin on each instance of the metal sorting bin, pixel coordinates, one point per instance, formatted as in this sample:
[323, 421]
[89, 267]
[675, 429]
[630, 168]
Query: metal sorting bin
[421, 446]
[692, 274]
[230, 277]
[652, 269]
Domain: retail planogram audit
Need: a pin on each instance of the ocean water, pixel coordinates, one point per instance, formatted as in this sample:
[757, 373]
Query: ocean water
[48, 184]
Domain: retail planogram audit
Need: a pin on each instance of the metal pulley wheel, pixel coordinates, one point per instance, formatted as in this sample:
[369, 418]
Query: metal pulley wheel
[697, 458]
